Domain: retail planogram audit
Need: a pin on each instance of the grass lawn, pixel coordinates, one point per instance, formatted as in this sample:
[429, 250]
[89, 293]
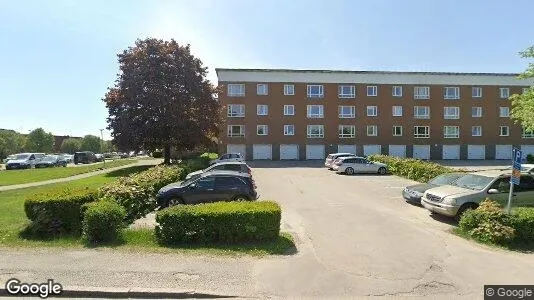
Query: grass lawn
[33, 175]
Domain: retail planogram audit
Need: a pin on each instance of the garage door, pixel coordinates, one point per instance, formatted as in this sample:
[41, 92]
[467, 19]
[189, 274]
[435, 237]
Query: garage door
[289, 151]
[451, 152]
[421, 151]
[476, 152]
[346, 149]
[503, 151]
[315, 152]
[397, 150]
[527, 149]
[261, 151]
[237, 148]
[371, 149]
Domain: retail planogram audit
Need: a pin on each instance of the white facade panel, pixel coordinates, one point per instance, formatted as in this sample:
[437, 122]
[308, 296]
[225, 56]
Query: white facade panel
[476, 152]
[503, 151]
[315, 152]
[262, 151]
[421, 151]
[397, 150]
[289, 152]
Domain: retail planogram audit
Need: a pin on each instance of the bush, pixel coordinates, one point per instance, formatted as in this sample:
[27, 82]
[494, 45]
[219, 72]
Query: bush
[157, 154]
[58, 211]
[411, 168]
[221, 222]
[209, 156]
[530, 158]
[488, 223]
[522, 220]
[103, 221]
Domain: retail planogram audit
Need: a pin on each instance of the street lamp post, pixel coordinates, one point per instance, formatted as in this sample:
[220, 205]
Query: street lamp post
[102, 147]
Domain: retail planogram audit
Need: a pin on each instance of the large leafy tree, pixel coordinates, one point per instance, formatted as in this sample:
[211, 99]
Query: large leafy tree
[71, 145]
[523, 104]
[91, 143]
[161, 99]
[39, 140]
[11, 142]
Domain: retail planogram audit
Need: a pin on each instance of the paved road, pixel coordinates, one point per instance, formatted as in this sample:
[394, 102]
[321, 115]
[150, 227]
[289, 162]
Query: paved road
[356, 238]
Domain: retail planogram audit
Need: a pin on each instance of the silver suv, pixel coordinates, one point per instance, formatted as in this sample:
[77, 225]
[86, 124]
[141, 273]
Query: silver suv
[24, 161]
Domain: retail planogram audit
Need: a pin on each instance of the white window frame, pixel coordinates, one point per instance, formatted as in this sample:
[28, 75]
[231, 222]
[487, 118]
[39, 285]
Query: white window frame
[455, 113]
[447, 95]
[240, 134]
[506, 111]
[350, 115]
[478, 110]
[396, 91]
[264, 127]
[262, 110]
[231, 90]
[240, 113]
[311, 135]
[454, 135]
[262, 89]
[527, 134]
[421, 116]
[289, 110]
[319, 115]
[341, 93]
[479, 129]
[287, 130]
[476, 92]
[395, 127]
[396, 111]
[424, 135]
[351, 134]
[374, 130]
[309, 87]
[374, 112]
[374, 91]
[289, 89]
[417, 92]
[504, 93]
[501, 130]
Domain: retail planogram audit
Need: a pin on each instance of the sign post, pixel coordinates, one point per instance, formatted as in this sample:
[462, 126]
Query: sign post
[516, 175]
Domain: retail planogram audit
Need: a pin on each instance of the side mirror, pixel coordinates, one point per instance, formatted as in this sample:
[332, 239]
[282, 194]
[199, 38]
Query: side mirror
[493, 191]
[193, 186]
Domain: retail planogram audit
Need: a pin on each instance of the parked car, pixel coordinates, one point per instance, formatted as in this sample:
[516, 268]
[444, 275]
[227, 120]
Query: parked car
[24, 161]
[350, 165]
[12, 156]
[329, 161]
[84, 157]
[209, 187]
[69, 158]
[237, 166]
[413, 193]
[51, 161]
[471, 189]
[228, 157]
[99, 157]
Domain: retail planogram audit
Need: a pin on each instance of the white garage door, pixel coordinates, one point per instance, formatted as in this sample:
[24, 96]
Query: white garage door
[346, 149]
[451, 152]
[289, 151]
[397, 150]
[261, 151]
[421, 151]
[237, 148]
[315, 152]
[503, 151]
[476, 152]
[527, 149]
[371, 149]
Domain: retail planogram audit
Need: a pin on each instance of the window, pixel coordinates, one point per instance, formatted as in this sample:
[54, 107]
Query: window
[421, 131]
[451, 93]
[315, 91]
[451, 112]
[227, 182]
[504, 112]
[476, 130]
[372, 130]
[262, 130]
[396, 91]
[476, 92]
[346, 91]
[315, 111]
[236, 130]
[315, 131]
[421, 92]
[421, 112]
[205, 183]
[262, 89]
[262, 110]
[289, 129]
[372, 91]
[526, 184]
[397, 130]
[476, 112]
[347, 111]
[372, 111]
[347, 131]
[236, 90]
[451, 132]
[504, 131]
[289, 89]
[397, 111]
[527, 134]
[289, 110]
[504, 93]
[236, 110]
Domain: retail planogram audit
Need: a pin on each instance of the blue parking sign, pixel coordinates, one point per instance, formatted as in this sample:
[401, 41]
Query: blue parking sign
[516, 166]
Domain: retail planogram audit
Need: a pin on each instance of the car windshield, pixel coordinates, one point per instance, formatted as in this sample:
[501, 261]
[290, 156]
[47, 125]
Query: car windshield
[473, 182]
[190, 180]
[445, 179]
[50, 158]
[22, 156]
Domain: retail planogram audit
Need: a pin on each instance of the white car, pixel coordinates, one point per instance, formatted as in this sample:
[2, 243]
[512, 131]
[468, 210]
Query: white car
[329, 161]
[350, 165]
[228, 157]
[237, 166]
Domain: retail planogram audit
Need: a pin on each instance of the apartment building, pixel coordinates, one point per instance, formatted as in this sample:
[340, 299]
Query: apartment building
[306, 114]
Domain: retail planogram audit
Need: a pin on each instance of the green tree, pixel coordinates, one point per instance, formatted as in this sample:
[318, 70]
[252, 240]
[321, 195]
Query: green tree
[11, 142]
[39, 141]
[109, 147]
[523, 104]
[91, 143]
[71, 145]
[161, 99]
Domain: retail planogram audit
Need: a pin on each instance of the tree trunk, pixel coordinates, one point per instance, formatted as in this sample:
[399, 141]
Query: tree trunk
[167, 154]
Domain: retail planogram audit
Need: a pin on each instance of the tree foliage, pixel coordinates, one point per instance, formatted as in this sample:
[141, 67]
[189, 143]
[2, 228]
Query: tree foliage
[523, 104]
[71, 145]
[11, 142]
[91, 143]
[108, 146]
[161, 99]
[39, 141]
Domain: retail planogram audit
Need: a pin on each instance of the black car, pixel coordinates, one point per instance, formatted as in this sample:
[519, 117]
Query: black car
[209, 187]
[85, 157]
[51, 161]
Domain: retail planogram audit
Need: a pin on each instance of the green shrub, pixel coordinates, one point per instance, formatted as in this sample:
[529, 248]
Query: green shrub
[221, 222]
[488, 223]
[157, 154]
[209, 156]
[522, 220]
[56, 212]
[530, 158]
[103, 221]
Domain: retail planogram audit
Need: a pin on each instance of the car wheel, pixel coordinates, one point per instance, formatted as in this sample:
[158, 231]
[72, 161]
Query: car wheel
[382, 171]
[173, 201]
[462, 210]
[349, 171]
[241, 198]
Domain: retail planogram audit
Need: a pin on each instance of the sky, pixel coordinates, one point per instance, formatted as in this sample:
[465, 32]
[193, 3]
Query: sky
[57, 58]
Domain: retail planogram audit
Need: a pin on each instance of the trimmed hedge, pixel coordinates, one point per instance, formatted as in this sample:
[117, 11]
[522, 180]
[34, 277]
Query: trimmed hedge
[523, 222]
[57, 211]
[103, 221]
[157, 154]
[411, 168]
[221, 222]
